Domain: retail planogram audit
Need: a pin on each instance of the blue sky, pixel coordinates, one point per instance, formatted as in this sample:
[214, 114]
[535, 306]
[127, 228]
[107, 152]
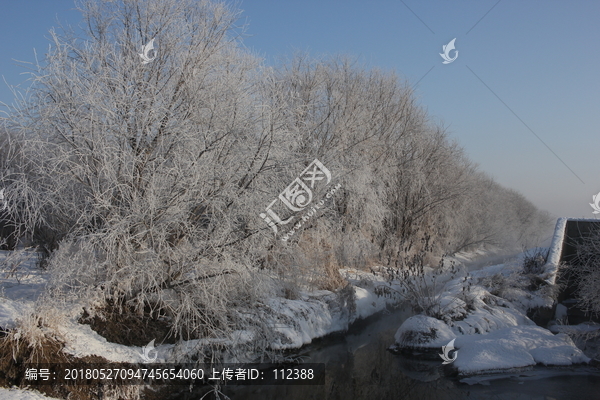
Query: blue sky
[524, 68]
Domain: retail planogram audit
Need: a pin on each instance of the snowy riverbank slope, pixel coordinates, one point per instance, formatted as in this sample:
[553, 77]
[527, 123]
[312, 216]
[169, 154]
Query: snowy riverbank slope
[297, 321]
[318, 313]
[489, 321]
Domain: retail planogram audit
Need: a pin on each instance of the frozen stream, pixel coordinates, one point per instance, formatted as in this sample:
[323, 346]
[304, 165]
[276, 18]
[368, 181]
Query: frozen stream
[359, 366]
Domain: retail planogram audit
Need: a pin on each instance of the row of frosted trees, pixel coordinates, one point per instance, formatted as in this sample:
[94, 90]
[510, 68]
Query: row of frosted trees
[144, 182]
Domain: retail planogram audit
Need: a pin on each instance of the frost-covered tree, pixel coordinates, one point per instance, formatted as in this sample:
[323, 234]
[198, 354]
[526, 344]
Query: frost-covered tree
[355, 120]
[146, 170]
[143, 168]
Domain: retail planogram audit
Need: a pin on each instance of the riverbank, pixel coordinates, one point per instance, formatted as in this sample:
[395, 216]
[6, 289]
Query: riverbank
[300, 321]
[488, 329]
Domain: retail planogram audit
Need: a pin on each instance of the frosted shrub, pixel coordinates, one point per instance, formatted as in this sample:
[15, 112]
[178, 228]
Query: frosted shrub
[423, 285]
[147, 172]
[533, 263]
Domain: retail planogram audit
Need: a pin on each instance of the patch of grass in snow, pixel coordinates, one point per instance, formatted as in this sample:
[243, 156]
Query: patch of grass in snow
[534, 261]
[521, 283]
[123, 324]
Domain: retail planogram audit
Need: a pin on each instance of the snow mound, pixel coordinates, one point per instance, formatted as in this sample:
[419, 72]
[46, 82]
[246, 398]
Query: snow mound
[515, 347]
[490, 313]
[486, 313]
[420, 331]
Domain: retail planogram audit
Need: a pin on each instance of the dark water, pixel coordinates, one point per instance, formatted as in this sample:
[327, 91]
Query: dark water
[359, 366]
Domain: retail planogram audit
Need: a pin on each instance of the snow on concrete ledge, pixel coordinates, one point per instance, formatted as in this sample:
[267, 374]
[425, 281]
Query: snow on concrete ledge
[555, 251]
[551, 267]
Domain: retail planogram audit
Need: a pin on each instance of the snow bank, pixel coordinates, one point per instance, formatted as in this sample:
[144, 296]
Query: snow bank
[300, 321]
[493, 333]
[320, 313]
[295, 322]
[515, 347]
[521, 345]
[81, 341]
[367, 303]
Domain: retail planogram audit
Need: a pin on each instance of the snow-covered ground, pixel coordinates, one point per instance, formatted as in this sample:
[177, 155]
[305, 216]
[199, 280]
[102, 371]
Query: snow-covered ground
[492, 332]
[315, 314]
[20, 285]
[298, 322]
[515, 347]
